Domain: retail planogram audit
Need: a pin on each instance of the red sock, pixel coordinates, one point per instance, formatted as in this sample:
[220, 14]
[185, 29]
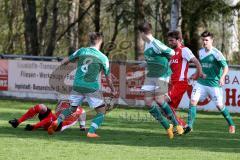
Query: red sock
[30, 113]
[45, 123]
[181, 122]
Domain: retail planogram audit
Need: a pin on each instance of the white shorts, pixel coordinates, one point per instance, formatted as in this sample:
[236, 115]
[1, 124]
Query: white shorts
[68, 126]
[201, 92]
[156, 84]
[94, 99]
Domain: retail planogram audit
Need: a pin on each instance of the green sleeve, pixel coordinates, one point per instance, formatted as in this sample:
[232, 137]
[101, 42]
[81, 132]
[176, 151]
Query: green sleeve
[105, 64]
[106, 67]
[221, 60]
[223, 63]
[161, 48]
[75, 55]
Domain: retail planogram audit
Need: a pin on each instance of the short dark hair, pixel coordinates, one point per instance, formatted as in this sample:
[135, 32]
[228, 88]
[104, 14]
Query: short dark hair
[94, 36]
[175, 34]
[145, 27]
[207, 34]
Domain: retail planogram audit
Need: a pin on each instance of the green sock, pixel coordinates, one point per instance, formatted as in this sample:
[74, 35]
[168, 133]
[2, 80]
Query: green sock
[227, 116]
[155, 112]
[65, 113]
[96, 122]
[168, 111]
[191, 115]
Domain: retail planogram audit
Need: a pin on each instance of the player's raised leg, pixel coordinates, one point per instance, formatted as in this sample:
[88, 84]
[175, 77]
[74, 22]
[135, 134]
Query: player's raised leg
[228, 118]
[96, 102]
[75, 100]
[191, 117]
[96, 121]
[199, 91]
[192, 111]
[39, 108]
[169, 113]
[82, 120]
[44, 123]
[154, 110]
[217, 97]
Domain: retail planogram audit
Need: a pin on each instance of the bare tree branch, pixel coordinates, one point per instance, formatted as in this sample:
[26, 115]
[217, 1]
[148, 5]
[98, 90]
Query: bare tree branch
[75, 22]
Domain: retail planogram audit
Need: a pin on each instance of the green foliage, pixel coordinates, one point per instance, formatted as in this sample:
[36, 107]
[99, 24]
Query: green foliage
[197, 15]
[236, 58]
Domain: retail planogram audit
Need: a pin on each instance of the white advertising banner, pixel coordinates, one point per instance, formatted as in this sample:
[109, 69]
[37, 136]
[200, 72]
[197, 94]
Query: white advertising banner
[30, 76]
[231, 94]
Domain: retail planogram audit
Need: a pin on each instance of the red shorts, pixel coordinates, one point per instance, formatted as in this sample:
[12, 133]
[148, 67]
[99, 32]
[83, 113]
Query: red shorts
[176, 92]
[46, 121]
[69, 121]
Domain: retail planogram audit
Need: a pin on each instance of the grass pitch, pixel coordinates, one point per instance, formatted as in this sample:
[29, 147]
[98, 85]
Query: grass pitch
[125, 134]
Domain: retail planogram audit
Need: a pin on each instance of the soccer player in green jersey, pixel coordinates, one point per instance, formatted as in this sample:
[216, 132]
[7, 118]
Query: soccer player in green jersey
[86, 85]
[157, 56]
[215, 68]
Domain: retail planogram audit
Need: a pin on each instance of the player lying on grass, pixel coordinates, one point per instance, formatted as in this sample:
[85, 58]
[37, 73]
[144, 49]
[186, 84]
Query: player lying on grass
[46, 117]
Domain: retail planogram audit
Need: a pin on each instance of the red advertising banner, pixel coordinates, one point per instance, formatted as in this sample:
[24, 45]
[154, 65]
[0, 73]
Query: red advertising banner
[115, 76]
[135, 76]
[3, 75]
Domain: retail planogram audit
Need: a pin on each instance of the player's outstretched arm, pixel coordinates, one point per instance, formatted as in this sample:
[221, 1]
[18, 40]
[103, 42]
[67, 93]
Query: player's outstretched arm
[110, 84]
[222, 79]
[161, 48]
[65, 61]
[199, 72]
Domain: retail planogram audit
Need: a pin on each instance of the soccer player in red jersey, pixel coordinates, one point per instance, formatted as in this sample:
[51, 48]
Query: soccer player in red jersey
[46, 117]
[179, 64]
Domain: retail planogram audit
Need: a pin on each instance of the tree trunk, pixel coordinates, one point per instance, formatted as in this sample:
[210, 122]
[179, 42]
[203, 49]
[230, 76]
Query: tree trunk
[52, 37]
[97, 15]
[157, 16]
[84, 24]
[30, 22]
[8, 10]
[176, 15]
[78, 20]
[163, 20]
[231, 27]
[72, 34]
[138, 19]
[42, 25]
[117, 18]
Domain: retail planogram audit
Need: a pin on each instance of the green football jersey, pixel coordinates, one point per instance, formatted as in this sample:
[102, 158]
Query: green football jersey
[90, 64]
[212, 63]
[157, 56]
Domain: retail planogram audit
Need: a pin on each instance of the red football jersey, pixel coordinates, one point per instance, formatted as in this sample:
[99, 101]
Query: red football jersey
[179, 63]
[70, 120]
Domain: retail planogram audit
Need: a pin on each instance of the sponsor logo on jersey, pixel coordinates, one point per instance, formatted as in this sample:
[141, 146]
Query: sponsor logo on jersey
[207, 65]
[173, 61]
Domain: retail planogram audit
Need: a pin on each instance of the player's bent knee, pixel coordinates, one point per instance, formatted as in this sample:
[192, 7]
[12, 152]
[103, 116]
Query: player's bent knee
[148, 103]
[193, 102]
[73, 108]
[160, 99]
[220, 107]
[101, 109]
